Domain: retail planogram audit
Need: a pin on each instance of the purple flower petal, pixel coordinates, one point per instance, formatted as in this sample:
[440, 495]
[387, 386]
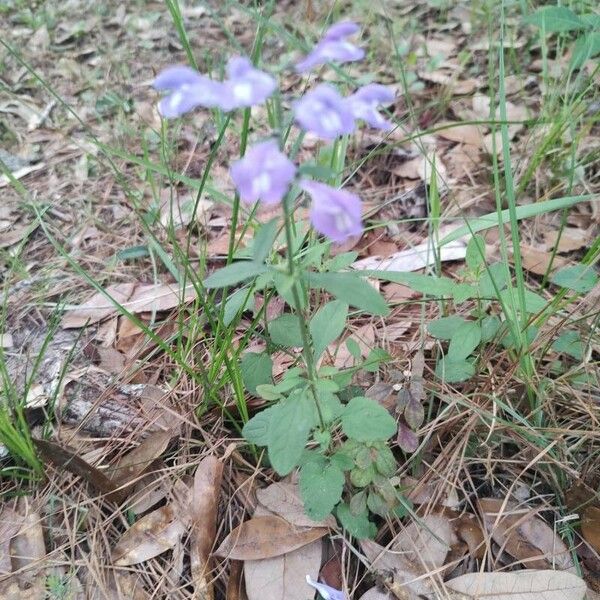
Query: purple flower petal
[364, 102]
[188, 90]
[326, 591]
[246, 85]
[324, 112]
[264, 173]
[333, 48]
[335, 213]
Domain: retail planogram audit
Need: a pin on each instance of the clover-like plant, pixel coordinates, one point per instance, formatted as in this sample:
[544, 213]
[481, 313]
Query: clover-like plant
[311, 406]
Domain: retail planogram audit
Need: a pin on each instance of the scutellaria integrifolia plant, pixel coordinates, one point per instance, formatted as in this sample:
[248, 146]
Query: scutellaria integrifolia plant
[354, 477]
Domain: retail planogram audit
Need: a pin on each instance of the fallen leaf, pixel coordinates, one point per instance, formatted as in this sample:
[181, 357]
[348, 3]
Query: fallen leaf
[283, 577]
[234, 583]
[455, 131]
[152, 535]
[571, 238]
[265, 537]
[415, 258]
[405, 573]
[519, 585]
[10, 523]
[396, 292]
[590, 527]
[72, 462]
[524, 536]
[376, 594]
[283, 499]
[204, 505]
[537, 261]
[425, 543]
[135, 462]
[135, 299]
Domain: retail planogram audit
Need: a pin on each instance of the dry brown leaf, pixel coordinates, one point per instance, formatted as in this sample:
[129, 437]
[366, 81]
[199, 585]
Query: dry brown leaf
[537, 261]
[406, 574]
[455, 131]
[524, 535]
[135, 299]
[396, 292]
[10, 523]
[590, 527]
[283, 499]
[425, 543]
[265, 537]
[571, 238]
[447, 77]
[135, 462]
[284, 577]
[205, 501]
[71, 461]
[235, 589]
[519, 585]
[153, 534]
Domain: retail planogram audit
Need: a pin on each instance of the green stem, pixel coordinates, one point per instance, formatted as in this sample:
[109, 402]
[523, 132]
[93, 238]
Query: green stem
[304, 331]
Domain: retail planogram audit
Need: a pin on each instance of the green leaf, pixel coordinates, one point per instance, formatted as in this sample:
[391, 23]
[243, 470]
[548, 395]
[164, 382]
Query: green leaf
[354, 348]
[453, 372]
[285, 331]
[268, 392]
[358, 503]
[362, 477]
[464, 291]
[475, 256]
[592, 20]
[257, 369]
[374, 360]
[385, 461]
[534, 303]
[570, 343]
[357, 525]
[489, 327]
[290, 425]
[256, 430]
[376, 504]
[580, 278]
[341, 261]
[331, 407]
[321, 489]
[464, 341]
[587, 46]
[366, 421]
[327, 325]
[240, 300]
[264, 239]
[342, 461]
[509, 341]
[496, 275]
[133, 252]
[555, 19]
[523, 212]
[351, 289]
[445, 327]
[234, 273]
[317, 171]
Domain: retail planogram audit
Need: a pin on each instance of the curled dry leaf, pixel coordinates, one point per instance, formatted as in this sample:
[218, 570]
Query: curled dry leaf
[406, 575]
[283, 577]
[524, 535]
[135, 462]
[519, 585]
[205, 501]
[265, 537]
[153, 534]
[283, 499]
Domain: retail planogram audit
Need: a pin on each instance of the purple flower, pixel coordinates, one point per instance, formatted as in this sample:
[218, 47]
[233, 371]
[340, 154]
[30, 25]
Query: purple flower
[188, 89]
[245, 85]
[324, 112]
[364, 102]
[335, 213]
[264, 173]
[333, 48]
[326, 591]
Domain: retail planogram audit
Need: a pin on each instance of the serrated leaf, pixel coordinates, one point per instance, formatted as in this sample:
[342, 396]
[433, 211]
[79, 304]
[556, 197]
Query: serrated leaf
[366, 421]
[580, 278]
[351, 289]
[321, 489]
[288, 432]
[454, 372]
[555, 19]
[285, 331]
[256, 369]
[357, 525]
[376, 504]
[234, 273]
[358, 503]
[464, 341]
[342, 461]
[445, 327]
[385, 462]
[327, 325]
[570, 343]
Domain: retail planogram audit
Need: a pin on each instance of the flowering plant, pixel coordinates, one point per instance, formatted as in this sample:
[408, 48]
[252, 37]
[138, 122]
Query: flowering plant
[307, 405]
